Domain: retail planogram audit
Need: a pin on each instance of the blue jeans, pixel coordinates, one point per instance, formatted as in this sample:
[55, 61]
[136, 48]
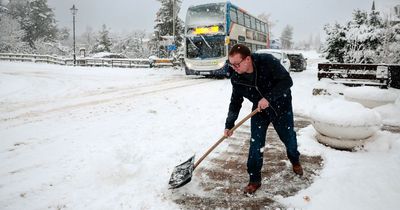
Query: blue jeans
[284, 126]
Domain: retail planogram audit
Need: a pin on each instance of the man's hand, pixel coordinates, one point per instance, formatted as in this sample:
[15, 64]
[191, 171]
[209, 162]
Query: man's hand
[227, 133]
[263, 104]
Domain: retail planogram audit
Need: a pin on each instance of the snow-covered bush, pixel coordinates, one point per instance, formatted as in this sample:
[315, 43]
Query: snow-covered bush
[364, 39]
[43, 47]
[11, 36]
[132, 45]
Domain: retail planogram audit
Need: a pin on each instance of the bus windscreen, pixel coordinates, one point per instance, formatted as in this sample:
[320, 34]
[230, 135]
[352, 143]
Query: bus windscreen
[205, 47]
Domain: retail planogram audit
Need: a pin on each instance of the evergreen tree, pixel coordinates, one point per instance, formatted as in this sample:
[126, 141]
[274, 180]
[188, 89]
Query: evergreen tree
[36, 19]
[363, 37]
[287, 37]
[335, 42]
[375, 19]
[360, 17]
[164, 22]
[103, 43]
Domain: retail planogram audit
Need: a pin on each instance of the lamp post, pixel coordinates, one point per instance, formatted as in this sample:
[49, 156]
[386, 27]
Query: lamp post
[74, 10]
[173, 20]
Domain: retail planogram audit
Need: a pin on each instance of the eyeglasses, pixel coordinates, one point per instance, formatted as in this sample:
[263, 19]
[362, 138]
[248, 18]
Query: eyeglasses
[237, 65]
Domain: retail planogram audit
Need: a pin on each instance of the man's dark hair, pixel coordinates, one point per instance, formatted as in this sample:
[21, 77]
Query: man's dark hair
[242, 49]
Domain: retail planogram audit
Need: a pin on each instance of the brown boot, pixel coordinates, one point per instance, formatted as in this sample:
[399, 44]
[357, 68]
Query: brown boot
[297, 169]
[252, 187]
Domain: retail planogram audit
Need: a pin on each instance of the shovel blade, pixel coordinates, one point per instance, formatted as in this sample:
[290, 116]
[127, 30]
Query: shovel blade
[182, 174]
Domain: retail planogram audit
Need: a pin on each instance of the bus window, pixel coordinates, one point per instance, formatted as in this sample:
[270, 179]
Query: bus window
[253, 23]
[240, 17]
[215, 14]
[256, 36]
[263, 38]
[247, 20]
[249, 34]
[233, 15]
[258, 27]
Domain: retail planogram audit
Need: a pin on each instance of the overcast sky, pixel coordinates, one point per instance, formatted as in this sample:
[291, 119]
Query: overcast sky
[306, 16]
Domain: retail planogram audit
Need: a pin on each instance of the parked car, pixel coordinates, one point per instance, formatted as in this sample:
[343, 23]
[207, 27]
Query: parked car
[278, 54]
[297, 62]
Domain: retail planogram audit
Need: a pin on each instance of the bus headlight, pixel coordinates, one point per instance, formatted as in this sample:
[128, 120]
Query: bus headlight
[221, 64]
[189, 65]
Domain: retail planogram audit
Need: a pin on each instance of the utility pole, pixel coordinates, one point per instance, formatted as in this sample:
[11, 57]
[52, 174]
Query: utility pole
[74, 10]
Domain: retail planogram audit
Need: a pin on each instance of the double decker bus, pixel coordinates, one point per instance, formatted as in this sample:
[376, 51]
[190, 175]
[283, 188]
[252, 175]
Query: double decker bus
[212, 29]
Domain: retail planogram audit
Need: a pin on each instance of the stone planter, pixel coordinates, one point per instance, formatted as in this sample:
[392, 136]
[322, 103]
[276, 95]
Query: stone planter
[343, 124]
[342, 144]
[369, 97]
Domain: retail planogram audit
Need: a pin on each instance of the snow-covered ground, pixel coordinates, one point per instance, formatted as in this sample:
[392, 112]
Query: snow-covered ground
[108, 138]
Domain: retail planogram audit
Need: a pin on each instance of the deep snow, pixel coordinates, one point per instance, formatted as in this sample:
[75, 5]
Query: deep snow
[108, 138]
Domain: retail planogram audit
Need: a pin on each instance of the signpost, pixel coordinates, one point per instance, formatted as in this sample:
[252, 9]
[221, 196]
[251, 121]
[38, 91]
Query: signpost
[171, 47]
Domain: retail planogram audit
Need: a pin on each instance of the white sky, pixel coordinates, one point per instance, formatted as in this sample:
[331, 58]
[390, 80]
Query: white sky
[306, 16]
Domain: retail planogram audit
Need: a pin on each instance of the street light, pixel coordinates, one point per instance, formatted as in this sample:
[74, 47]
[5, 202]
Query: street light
[173, 20]
[74, 11]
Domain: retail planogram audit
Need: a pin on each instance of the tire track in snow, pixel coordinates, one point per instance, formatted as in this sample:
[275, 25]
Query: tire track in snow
[98, 98]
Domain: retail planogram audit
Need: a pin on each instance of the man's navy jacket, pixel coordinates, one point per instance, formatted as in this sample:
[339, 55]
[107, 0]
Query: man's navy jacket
[270, 81]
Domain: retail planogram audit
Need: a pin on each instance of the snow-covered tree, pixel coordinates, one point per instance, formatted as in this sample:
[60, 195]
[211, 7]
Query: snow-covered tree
[364, 39]
[63, 33]
[3, 9]
[335, 42]
[317, 43]
[364, 36]
[103, 42]
[11, 36]
[287, 37]
[164, 22]
[36, 19]
[267, 18]
[389, 51]
[87, 38]
[132, 45]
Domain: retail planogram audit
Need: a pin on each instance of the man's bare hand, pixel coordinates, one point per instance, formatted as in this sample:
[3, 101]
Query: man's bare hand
[263, 104]
[227, 133]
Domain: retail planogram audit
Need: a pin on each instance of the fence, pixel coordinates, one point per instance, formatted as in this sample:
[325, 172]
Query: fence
[106, 62]
[382, 75]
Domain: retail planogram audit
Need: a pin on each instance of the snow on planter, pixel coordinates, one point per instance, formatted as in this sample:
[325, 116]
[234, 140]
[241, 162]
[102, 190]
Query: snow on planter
[343, 124]
[370, 96]
[390, 113]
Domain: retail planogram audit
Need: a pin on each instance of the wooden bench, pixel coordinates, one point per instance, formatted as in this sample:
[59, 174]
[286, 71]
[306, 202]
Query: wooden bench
[355, 74]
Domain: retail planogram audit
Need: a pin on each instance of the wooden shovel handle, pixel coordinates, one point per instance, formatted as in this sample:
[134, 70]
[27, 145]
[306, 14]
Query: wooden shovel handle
[223, 137]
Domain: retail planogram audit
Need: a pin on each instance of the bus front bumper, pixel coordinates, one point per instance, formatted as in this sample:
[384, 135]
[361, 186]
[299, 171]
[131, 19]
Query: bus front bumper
[217, 72]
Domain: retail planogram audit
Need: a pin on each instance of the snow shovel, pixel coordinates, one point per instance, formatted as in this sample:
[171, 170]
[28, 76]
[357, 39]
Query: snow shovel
[182, 173]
